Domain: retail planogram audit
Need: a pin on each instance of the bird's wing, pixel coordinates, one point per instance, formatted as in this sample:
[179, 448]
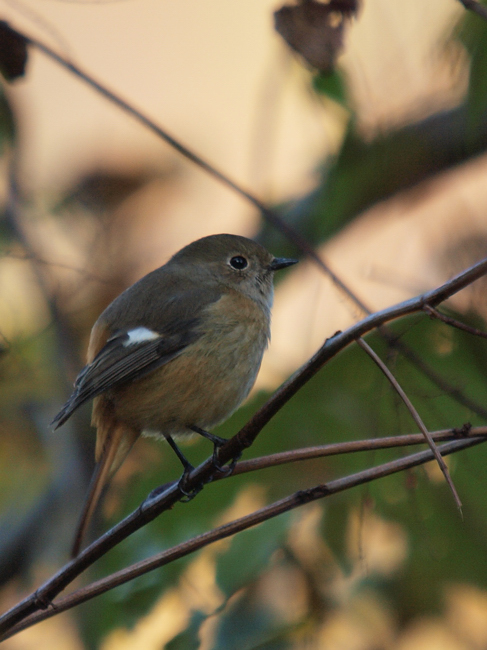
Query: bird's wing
[126, 356]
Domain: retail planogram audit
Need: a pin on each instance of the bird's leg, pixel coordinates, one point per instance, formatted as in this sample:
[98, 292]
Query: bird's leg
[216, 440]
[187, 469]
[217, 443]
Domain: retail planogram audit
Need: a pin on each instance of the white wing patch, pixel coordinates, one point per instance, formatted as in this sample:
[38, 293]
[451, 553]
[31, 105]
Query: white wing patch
[140, 335]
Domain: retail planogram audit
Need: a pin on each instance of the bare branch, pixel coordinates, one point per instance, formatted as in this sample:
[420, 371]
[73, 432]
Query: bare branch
[151, 508]
[434, 313]
[452, 391]
[291, 502]
[415, 415]
[334, 449]
[338, 342]
[270, 215]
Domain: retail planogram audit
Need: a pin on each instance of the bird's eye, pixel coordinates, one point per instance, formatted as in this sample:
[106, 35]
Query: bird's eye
[238, 262]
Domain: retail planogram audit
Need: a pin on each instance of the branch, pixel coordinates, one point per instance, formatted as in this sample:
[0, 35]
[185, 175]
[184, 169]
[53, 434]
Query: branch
[269, 215]
[338, 342]
[151, 508]
[434, 313]
[415, 415]
[64, 335]
[454, 392]
[334, 449]
[291, 502]
[182, 149]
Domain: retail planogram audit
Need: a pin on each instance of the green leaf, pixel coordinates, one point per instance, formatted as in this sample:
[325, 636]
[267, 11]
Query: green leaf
[250, 553]
[332, 85]
[189, 638]
[472, 33]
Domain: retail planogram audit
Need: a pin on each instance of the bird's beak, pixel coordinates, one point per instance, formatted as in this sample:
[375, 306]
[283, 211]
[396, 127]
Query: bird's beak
[281, 263]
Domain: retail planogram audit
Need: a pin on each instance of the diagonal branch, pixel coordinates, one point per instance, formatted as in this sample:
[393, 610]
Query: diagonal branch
[291, 502]
[151, 508]
[415, 415]
[452, 391]
[338, 342]
[269, 215]
[434, 313]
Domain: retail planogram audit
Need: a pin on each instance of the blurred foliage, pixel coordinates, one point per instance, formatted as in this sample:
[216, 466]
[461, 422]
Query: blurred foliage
[472, 33]
[349, 399]
[7, 122]
[368, 171]
[332, 85]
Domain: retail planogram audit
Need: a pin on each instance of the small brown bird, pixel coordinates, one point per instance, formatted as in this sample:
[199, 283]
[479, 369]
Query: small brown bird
[176, 353]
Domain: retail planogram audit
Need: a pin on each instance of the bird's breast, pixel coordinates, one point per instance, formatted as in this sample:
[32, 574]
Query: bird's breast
[209, 379]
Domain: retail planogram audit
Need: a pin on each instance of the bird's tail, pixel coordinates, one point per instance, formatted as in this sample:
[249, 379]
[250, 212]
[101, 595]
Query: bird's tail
[116, 442]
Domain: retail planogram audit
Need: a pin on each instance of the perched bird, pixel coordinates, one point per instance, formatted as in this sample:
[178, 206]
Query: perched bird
[176, 353]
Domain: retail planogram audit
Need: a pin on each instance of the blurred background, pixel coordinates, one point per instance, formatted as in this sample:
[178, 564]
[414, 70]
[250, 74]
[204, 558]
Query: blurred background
[378, 159]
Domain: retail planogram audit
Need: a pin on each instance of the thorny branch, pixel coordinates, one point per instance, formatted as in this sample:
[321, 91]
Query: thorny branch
[151, 508]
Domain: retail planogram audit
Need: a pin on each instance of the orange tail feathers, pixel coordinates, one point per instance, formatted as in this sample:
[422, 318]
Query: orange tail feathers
[117, 442]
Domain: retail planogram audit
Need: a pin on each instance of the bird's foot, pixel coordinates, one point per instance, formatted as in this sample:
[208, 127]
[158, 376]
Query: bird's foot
[188, 494]
[216, 440]
[225, 470]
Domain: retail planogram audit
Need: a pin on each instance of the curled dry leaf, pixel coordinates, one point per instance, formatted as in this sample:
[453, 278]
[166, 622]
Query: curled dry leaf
[13, 52]
[315, 30]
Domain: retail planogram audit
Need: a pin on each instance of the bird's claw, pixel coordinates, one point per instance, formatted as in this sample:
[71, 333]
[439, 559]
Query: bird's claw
[224, 470]
[188, 495]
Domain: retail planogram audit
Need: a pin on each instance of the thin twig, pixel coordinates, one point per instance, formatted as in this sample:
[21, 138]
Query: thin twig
[243, 439]
[270, 215]
[453, 322]
[291, 502]
[31, 256]
[452, 391]
[64, 334]
[415, 415]
[334, 449]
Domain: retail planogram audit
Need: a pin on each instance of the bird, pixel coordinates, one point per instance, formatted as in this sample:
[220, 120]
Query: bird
[176, 353]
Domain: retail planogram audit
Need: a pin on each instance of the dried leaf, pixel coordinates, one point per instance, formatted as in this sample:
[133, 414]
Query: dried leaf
[315, 30]
[13, 52]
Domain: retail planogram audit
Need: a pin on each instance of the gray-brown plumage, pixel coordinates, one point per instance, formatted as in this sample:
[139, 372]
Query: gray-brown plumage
[178, 350]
